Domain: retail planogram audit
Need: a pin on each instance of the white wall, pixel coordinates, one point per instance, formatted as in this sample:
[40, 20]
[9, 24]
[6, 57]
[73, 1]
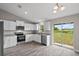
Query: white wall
[76, 35]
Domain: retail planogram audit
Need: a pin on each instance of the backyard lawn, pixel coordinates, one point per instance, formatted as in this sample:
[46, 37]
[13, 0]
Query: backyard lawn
[64, 36]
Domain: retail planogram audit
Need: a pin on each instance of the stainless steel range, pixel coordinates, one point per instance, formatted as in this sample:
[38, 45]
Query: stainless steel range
[20, 33]
[20, 37]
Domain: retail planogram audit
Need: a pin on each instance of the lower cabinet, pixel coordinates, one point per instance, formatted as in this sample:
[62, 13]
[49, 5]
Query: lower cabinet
[37, 38]
[33, 37]
[29, 37]
[48, 40]
[10, 41]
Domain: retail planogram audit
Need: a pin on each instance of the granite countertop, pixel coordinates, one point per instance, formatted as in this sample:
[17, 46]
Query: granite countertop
[26, 32]
[9, 35]
[39, 33]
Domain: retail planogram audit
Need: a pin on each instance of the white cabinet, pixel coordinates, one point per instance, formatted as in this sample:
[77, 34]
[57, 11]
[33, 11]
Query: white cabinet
[30, 26]
[6, 25]
[9, 25]
[10, 41]
[47, 26]
[9, 38]
[48, 40]
[33, 37]
[6, 42]
[37, 37]
[26, 27]
[29, 37]
[13, 41]
[20, 23]
[12, 25]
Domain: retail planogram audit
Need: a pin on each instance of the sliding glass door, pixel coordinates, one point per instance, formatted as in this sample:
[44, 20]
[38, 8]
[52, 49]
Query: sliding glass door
[58, 33]
[63, 33]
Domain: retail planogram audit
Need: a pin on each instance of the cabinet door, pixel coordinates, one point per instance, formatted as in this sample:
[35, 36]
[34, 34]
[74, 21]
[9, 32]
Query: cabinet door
[6, 25]
[12, 25]
[6, 42]
[27, 26]
[29, 37]
[13, 41]
[30, 27]
[20, 23]
[37, 38]
[48, 40]
[9, 25]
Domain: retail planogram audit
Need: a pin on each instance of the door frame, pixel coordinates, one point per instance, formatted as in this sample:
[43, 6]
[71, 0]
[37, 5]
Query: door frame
[52, 32]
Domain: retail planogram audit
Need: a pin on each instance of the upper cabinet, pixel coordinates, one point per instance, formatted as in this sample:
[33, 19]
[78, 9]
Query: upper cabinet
[30, 26]
[27, 26]
[9, 25]
[47, 25]
[20, 23]
[12, 25]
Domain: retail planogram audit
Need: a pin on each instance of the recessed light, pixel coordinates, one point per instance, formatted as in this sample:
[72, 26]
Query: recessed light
[26, 12]
[54, 11]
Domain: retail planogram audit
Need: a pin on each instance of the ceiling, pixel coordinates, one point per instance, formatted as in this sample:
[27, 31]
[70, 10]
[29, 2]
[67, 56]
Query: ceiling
[37, 12]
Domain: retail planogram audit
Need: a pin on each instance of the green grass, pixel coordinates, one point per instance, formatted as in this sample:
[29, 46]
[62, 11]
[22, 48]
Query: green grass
[64, 37]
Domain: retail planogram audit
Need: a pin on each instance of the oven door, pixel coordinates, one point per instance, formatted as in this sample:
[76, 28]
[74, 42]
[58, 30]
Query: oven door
[20, 38]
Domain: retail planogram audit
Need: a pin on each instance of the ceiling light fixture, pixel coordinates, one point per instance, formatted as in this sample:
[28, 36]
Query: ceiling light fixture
[58, 8]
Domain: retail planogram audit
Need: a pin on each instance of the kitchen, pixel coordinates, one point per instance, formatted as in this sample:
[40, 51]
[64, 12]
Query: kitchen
[17, 32]
[22, 26]
[11, 22]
